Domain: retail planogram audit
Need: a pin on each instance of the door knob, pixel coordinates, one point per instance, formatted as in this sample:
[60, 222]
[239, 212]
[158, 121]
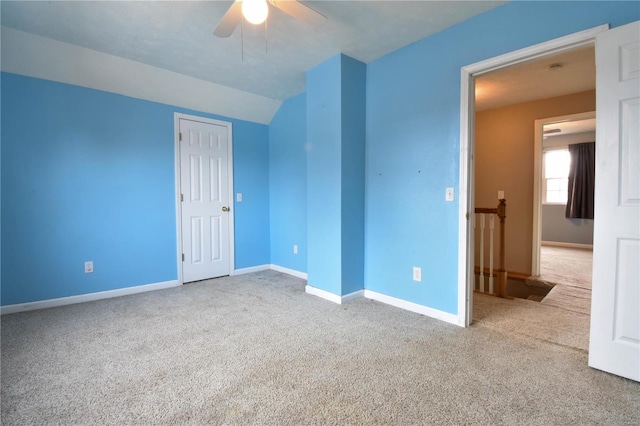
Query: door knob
[225, 209]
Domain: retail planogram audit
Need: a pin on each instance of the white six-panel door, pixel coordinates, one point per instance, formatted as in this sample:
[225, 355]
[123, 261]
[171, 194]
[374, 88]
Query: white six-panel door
[205, 199]
[615, 312]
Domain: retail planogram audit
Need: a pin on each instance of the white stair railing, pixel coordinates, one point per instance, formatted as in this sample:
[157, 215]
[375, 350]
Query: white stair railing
[500, 211]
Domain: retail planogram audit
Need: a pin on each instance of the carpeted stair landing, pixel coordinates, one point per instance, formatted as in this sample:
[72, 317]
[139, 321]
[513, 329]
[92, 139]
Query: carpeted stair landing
[568, 271]
[574, 299]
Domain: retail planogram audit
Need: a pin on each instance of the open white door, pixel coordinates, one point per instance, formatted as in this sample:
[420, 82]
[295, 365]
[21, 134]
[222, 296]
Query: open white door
[615, 310]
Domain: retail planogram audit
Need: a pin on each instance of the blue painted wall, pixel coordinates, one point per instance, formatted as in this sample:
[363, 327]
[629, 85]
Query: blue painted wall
[89, 175]
[413, 130]
[251, 178]
[324, 172]
[353, 87]
[288, 184]
[336, 91]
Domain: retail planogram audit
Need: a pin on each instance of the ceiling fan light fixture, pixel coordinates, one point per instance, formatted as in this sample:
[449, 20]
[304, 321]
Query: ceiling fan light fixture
[255, 11]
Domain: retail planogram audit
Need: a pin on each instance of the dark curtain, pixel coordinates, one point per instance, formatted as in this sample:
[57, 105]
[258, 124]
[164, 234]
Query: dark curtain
[582, 175]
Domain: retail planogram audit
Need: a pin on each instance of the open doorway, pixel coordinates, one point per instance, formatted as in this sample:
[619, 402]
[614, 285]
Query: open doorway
[562, 240]
[472, 79]
[514, 161]
[615, 273]
[553, 225]
[513, 137]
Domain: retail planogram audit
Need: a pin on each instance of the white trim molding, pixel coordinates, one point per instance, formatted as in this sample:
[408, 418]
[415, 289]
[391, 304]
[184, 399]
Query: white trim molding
[89, 297]
[250, 270]
[413, 307]
[467, 146]
[288, 271]
[352, 296]
[331, 297]
[323, 294]
[272, 267]
[568, 245]
[388, 300]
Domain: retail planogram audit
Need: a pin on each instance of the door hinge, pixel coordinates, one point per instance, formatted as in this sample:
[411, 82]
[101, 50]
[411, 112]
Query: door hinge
[183, 257]
[467, 215]
[180, 137]
[181, 197]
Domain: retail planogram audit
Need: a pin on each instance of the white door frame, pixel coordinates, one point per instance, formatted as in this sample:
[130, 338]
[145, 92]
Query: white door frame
[177, 117]
[467, 148]
[536, 240]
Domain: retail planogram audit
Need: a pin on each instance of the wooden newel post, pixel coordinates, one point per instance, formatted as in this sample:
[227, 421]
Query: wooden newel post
[502, 273]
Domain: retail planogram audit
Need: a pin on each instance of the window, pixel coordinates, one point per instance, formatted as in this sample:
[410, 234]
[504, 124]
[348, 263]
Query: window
[555, 165]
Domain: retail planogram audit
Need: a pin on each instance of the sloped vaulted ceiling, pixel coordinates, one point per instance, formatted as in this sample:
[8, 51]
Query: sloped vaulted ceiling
[177, 36]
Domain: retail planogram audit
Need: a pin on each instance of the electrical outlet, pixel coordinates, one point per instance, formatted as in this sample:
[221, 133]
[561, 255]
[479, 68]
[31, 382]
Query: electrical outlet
[295, 249]
[88, 267]
[417, 273]
[500, 195]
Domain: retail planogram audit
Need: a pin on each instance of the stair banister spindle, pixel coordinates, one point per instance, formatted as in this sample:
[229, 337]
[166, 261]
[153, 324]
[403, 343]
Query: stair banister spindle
[502, 273]
[491, 227]
[482, 252]
[501, 212]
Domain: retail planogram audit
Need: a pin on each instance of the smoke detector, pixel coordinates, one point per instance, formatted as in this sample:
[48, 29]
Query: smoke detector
[554, 67]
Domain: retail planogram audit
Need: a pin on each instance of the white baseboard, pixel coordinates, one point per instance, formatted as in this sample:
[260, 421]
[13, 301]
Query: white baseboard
[266, 267]
[333, 297]
[251, 269]
[399, 303]
[323, 294]
[413, 307]
[352, 296]
[90, 297]
[569, 245]
[379, 297]
[288, 271]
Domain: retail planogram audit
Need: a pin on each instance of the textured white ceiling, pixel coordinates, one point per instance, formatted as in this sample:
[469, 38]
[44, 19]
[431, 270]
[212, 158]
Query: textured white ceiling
[177, 36]
[531, 81]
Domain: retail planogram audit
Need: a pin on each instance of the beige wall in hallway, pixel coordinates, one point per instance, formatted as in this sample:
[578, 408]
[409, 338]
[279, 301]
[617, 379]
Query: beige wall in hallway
[504, 161]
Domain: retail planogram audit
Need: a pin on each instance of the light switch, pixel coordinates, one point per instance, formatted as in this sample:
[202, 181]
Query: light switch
[449, 194]
[239, 197]
[500, 195]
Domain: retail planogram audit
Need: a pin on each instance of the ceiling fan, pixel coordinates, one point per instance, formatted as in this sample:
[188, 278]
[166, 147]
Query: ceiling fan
[256, 11]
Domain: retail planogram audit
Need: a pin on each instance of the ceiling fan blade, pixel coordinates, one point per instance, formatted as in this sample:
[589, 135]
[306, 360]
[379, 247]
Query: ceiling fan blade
[300, 11]
[230, 20]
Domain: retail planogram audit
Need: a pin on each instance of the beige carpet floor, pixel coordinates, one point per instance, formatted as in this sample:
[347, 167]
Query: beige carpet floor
[255, 349]
[536, 320]
[574, 299]
[569, 269]
[562, 317]
[566, 266]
